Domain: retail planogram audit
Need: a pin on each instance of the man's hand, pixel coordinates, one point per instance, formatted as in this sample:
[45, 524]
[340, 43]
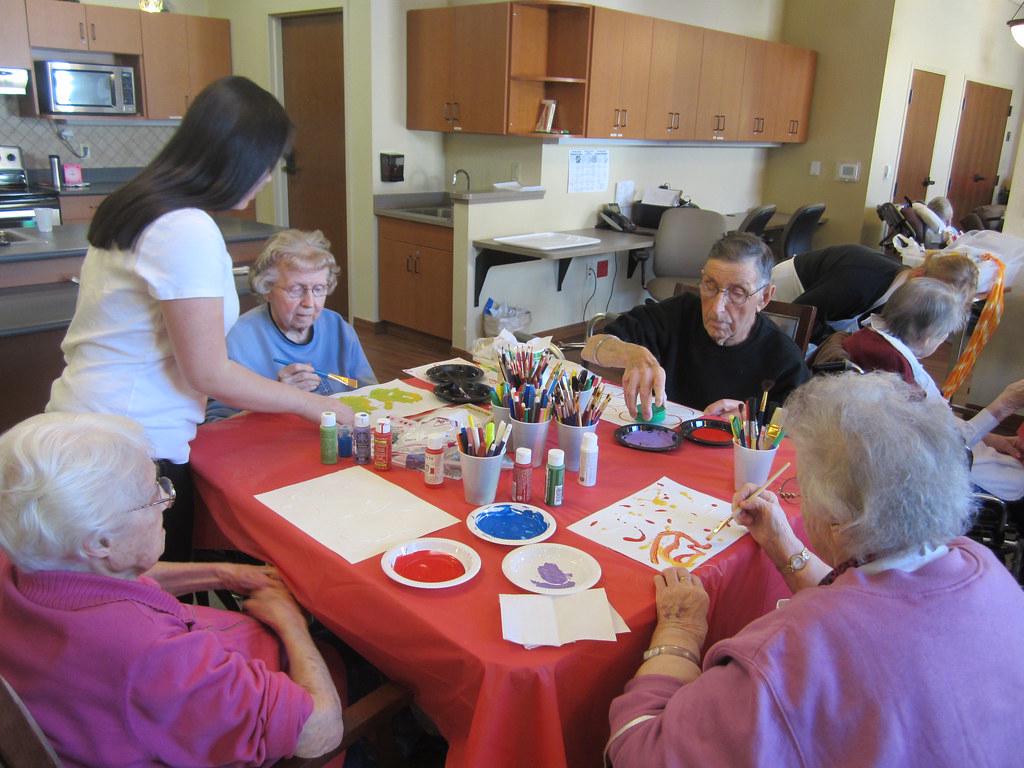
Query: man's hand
[300, 376]
[644, 377]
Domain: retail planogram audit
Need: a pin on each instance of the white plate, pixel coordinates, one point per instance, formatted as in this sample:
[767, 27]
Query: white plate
[464, 553]
[548, 241]
[517, 512]
[551, 569]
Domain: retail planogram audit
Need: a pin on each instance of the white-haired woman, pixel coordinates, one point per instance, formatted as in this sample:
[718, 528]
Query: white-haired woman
[113, 667]
[902, 642]
[293, 275]
[915, 321]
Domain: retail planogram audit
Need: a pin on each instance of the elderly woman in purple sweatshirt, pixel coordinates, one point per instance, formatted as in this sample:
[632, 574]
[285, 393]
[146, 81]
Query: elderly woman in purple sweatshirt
[902, 644]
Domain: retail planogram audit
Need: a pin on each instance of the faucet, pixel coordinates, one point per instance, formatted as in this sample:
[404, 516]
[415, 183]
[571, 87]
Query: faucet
[455, 177]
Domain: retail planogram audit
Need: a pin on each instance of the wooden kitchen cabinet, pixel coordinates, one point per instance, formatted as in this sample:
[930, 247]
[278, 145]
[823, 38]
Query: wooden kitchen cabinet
[14, 47]
[620, 64]
[181, 56]
[721, 84]
[72, 26]
[797, 67]
[676, 51]
[457, 68]
[79, 207]
[415, 265]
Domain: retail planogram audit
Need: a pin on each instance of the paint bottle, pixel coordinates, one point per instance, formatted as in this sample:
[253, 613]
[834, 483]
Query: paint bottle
[328, 438]
[555, 484]
[362, 438]
[588, 460]
[433, 461]
[522, 476]
[344, 441]
[382, 445]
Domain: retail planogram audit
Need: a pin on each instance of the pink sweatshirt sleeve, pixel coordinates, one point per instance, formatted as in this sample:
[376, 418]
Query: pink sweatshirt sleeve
[727, 716]
[193, 702]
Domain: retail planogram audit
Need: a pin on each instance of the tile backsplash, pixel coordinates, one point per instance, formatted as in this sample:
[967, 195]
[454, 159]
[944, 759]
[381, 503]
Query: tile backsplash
[111, 146]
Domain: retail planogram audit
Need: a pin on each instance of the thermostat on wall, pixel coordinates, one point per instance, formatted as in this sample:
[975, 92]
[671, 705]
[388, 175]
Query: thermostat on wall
[849, 172]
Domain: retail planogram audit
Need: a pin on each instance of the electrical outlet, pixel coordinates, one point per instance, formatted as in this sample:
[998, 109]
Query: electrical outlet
[591, 272]
[85, 151]
[65, 133]
[602, 268]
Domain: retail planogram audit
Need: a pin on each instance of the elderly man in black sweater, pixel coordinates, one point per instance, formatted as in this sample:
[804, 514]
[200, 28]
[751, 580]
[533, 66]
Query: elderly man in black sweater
[705, 351]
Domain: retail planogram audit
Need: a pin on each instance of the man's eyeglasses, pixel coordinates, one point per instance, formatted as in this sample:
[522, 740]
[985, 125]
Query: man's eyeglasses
[167, 494]
[298, 291]
[734, 294]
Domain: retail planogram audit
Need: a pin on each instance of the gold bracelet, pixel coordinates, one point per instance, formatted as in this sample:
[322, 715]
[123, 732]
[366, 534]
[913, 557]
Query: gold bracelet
[597, 349]
[674, 650]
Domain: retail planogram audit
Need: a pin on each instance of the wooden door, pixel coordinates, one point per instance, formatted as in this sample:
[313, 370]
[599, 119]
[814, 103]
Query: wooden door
[603, 111]
[315, 99]
[53, 24]
[721, 83]
[480, 67]
[797, 85]
[164, 37]
[979, 142]
[660, 121]
[114, 30]
[913, 174]
[209, 51]
[430, 43]
[14, 34]
[432, 269]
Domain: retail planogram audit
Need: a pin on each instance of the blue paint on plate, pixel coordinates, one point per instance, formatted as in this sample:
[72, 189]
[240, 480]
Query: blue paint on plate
[511, 522]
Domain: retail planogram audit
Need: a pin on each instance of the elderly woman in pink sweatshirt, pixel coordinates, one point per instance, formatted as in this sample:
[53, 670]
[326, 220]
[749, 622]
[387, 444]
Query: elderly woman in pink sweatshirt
[902, 642]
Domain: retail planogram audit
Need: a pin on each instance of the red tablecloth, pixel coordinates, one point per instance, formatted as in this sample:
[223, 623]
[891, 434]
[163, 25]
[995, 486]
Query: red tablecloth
[496, 703]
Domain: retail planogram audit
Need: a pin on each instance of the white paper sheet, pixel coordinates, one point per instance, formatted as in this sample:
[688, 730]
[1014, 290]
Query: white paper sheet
[391, 398]
[356, 513]
[662, 525]
[588, 170]
[533, 620]
[616, 412]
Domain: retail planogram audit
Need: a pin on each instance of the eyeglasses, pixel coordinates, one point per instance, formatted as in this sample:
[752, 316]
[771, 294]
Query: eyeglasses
[298, 291]
[734, 294]
[167, 492]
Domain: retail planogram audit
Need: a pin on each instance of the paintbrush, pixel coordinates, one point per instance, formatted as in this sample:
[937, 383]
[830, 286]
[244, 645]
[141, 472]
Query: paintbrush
[335, 376]
[736, 506]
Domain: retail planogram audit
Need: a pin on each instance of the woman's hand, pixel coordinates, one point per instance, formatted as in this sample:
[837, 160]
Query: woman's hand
[274, 606]
[643, 376]
[299, 375]
[762, 515]
[682, 605]
[246, 579]
[724, 409]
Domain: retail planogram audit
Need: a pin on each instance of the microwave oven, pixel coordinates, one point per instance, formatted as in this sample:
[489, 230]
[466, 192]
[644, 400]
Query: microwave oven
[90, 89]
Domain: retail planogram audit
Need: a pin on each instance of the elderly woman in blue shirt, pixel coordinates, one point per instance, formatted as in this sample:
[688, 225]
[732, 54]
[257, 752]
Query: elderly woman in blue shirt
[291, 336]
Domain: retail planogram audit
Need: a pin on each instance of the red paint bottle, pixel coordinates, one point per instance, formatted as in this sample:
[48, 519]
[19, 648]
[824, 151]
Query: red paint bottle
[382, 445]
[522, 476]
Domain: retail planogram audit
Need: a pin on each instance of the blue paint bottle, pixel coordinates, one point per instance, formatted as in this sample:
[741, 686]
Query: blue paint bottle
[344, 441]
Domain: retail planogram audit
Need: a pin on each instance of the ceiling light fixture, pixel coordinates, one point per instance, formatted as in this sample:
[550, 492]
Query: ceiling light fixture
[151, 6]
[1017, 27]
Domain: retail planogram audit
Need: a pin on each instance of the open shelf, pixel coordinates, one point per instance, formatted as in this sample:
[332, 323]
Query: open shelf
[545, 79]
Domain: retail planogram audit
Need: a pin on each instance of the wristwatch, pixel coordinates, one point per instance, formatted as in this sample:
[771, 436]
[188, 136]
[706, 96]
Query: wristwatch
[674, 650]
[797, 562]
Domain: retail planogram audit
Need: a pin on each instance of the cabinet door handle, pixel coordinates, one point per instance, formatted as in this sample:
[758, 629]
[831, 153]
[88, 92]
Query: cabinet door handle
[81, 31]
[408, 264]
[675, 122]
[444, 112]
[625, 118]
[92, 28]
[796, 126]
[416, 263]
[616, 123]
[671, 121]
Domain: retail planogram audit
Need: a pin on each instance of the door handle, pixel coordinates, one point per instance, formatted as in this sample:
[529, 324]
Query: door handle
[671, 121]
[723, 123]
[928, 181]
[978, 178]
[289, 164]
[675, 121]
[616, 123]
[408, 266]
[625, 118]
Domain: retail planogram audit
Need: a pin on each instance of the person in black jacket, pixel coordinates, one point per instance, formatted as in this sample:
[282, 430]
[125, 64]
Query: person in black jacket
[703, 350]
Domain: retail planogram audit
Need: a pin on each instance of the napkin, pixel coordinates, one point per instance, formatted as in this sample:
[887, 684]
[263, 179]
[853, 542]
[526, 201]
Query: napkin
[533, 620]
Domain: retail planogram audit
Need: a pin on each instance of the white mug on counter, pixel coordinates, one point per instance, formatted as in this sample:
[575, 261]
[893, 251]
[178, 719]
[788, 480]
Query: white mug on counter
[44, 219]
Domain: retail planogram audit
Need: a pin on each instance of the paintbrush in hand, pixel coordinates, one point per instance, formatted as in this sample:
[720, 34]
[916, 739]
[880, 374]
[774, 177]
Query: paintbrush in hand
[736, 506]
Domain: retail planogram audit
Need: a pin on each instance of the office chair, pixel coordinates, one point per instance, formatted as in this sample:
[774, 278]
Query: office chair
[681, 246]
[757, 219]
[799, 231]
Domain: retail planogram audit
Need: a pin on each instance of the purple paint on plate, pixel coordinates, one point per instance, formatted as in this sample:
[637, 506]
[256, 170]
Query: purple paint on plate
[650, 439]
[553, 577]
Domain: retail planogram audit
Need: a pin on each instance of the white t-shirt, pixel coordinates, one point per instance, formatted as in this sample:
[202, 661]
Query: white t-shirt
[117, 351]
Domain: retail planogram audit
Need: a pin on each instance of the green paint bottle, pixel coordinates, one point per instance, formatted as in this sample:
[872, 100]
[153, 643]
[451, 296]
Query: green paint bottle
[328, 438]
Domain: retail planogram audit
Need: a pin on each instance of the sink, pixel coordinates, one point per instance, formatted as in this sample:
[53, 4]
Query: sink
[434, 212]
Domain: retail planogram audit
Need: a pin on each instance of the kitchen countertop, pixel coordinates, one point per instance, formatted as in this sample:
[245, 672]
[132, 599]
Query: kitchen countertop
[396, 206]
[70, 239]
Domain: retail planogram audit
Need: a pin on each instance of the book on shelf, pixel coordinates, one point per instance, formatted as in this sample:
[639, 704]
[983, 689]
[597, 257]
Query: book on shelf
[545, 116]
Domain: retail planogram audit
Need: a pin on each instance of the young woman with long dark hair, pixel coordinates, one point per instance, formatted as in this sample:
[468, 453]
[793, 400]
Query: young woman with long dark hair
[157, 296]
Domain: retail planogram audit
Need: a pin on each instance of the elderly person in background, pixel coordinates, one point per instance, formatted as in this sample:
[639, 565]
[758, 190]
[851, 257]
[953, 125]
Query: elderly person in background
[115, 670]
[293, 275]
[902, 642]
[697, 350]
[915, 321]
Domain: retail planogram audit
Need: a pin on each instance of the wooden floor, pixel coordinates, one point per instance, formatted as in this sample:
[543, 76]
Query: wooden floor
[389, 353]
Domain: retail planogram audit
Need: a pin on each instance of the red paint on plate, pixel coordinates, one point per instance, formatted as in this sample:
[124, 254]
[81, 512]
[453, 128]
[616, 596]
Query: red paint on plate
[711, 435]
[428, 566]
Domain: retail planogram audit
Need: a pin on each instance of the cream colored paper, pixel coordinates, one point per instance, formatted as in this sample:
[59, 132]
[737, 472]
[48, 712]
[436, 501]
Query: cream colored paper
[356, 513]
[533, 620]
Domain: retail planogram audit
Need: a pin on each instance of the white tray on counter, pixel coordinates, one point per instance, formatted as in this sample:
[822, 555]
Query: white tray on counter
[548, 241]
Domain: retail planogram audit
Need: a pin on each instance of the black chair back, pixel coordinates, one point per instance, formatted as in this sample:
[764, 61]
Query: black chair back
[757, 219]
[799, 231]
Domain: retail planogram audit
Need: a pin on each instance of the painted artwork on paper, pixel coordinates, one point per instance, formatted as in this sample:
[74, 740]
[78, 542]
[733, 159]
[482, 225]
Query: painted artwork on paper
[392, 398]
[662, 525]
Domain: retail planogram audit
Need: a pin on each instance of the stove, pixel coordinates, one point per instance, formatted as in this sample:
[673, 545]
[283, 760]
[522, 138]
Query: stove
[18, 198]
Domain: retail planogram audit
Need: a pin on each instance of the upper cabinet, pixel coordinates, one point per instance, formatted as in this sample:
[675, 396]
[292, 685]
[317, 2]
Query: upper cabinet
[549, 61]
[14, 45]
[181, 56]
[620, 65]
[457, 68]
[721, 83]
[797, 67]
[72, 26]
[776, 99]
[672, 92]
